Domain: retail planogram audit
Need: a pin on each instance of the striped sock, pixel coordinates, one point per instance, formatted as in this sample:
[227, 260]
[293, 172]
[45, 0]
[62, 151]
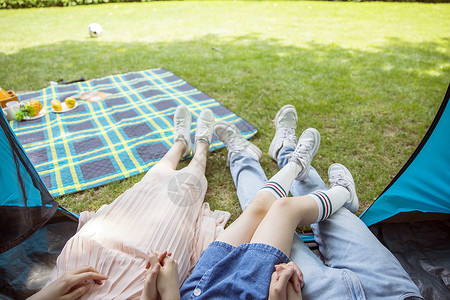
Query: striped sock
[274, 188]
[330, 201]
[281, 182]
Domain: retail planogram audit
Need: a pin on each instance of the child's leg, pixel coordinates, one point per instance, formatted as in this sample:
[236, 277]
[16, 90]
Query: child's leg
[300, 188]
[243, 228]
[287, 213]
[282, 219]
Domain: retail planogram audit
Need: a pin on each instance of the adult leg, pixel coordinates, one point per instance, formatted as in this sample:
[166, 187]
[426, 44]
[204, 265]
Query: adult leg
[203, 135]
[243, 159]
[181, 144]
[347, 243]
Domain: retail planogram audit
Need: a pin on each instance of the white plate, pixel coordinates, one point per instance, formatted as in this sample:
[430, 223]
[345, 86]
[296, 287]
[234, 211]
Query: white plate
[39, 115]
[64, 108]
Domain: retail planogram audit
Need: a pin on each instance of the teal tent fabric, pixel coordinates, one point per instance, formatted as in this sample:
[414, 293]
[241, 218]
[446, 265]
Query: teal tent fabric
[25, 203]
[424, 182]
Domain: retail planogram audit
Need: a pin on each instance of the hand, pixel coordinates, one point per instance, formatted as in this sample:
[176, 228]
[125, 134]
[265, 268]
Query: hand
[161, 279]
[167, 281]
[286, 283]
[150, 291]
[71, 285]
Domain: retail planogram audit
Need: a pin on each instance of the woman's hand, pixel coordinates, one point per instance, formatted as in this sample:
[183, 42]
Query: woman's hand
[167, 282]
[150, 291]
[286, 283]
[71, 285]
[161, 278]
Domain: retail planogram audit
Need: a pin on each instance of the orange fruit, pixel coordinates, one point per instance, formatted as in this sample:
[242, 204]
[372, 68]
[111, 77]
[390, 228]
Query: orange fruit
[70, 102]
[56, 105]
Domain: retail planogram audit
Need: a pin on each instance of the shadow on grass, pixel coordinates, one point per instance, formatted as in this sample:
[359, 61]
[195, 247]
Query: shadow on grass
[371, 106]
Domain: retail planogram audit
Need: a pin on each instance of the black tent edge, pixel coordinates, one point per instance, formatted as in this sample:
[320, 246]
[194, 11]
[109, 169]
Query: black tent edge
[419, 147]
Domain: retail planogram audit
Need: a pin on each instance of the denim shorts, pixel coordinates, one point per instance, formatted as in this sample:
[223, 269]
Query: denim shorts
[227, 272]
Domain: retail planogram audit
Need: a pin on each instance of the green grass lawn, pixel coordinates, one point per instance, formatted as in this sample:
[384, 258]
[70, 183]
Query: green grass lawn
[369, 76]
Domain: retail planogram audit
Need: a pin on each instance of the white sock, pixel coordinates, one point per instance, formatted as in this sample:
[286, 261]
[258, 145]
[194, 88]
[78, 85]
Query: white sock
[330, 201]
[281, 182]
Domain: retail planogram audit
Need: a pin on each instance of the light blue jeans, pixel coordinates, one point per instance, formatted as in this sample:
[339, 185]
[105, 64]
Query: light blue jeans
[357, 265]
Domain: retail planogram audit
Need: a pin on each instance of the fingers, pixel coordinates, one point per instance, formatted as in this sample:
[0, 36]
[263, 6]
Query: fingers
[82, 269]
[77, 292]
[285, 276]
[94, 275]
[152, 260]
[157, 257]
[152, 274]
[73, 278]
[298, 273]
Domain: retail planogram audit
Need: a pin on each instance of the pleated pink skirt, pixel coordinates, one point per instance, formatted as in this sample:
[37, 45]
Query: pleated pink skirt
[164, 211]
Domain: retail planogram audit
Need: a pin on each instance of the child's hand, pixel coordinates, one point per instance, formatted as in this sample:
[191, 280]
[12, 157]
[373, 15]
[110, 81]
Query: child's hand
[72, 285]
[150, 291]
[286, 283]
[167, 281]
[161, 278]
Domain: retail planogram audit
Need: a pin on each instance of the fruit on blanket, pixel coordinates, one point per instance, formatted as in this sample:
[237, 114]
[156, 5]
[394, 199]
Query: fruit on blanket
[70, 102]
[30, 109]
[56, 105]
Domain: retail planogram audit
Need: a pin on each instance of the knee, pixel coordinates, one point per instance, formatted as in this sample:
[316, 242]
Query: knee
[259, 205]
[283, 204]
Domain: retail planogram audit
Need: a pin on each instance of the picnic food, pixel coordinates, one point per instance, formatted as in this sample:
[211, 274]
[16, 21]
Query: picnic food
[56, 105]
[70, 102]
[30, 109]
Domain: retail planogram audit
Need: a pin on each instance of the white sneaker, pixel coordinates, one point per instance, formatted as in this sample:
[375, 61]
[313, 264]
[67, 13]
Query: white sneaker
[231, 136]
[339, 175]
[205, 127]
[182, 131]
[285, 125]
[307, 146]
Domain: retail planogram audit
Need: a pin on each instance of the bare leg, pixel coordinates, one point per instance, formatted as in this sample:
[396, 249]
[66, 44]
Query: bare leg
[198, 162]
[170, 159]
[282, 219]
[243, 228]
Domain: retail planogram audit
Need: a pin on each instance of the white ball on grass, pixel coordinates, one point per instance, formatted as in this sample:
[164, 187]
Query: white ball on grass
[95, 30]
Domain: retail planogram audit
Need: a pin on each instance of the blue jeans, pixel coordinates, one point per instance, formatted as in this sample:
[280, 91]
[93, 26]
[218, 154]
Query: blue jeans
[357, 265]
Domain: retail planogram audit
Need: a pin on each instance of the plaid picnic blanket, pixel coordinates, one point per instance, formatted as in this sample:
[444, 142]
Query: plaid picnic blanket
[120, 136]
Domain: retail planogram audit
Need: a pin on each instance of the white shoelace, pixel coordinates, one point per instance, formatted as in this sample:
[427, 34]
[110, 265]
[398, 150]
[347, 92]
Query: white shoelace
[339, 180]
[289, 134]
[179, 127]
[301, 154]
[233, 148]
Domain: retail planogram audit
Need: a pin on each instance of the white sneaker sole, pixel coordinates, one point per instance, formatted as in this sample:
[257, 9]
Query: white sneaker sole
[273, 152]
[354, 205]
[313, 153]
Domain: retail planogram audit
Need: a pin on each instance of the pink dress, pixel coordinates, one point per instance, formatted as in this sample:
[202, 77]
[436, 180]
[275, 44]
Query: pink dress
[164, 211]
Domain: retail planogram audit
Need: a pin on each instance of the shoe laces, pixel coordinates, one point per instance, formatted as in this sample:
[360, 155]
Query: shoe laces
[289, 134]
[234, 146]
[339, 180]
[179, 126]
[301, 152]
[204, 127]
